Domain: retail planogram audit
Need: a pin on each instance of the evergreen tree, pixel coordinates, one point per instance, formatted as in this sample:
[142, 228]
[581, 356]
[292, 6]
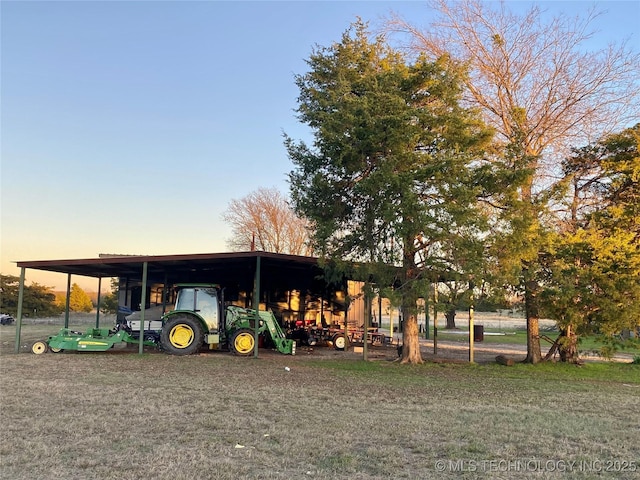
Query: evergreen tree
[389, 179]
[38, 300]
[109, 302]
[79, 301]
[593, 274]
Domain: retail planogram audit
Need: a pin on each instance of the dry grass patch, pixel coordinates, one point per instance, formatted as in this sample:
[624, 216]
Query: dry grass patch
[125, 416]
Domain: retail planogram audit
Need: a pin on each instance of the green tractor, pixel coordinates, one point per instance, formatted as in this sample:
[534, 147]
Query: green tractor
[199, 317]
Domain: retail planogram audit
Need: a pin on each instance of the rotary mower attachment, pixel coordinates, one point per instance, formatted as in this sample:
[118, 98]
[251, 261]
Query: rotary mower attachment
[94, 340]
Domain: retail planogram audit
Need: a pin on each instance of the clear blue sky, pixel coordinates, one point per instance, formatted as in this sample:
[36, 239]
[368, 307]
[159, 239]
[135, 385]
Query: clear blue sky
[127, 127]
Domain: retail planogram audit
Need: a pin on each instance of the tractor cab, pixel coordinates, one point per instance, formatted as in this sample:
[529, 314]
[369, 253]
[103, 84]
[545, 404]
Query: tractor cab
[201, 300]
[195, 319]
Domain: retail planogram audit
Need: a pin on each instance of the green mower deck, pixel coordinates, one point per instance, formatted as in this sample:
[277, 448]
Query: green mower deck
[94, 340]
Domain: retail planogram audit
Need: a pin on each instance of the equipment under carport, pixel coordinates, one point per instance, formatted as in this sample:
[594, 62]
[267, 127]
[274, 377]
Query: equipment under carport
[198, 318]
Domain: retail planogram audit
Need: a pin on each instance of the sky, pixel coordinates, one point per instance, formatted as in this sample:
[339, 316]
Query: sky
[128, 127]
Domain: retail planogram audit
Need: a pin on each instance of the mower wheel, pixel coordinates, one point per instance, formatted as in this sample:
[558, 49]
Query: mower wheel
[182, 335]
[56, 350]
[243, 342]
[339, 342]
[39, 347]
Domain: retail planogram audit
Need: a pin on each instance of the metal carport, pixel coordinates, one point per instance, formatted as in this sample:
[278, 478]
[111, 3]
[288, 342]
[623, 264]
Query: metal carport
[237, 271]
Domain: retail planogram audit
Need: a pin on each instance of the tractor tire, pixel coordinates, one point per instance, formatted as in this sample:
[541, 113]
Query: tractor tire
[243, 342]
[182, 335]
[339, 342]
[39, 347]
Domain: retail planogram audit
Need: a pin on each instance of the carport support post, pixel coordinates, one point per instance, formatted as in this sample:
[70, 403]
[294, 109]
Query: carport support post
[98, 303]
[379, 309]
[256, 305]
[143, 307]
[435, 318]
[346, 317]
[367, 320]
[471, 332]
[19, 313]
[426, 314]
[68, 301]
[471, 339]
[165, 289]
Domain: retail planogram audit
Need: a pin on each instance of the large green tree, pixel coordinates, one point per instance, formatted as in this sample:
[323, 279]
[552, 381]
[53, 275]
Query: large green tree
[38, 300]
[592, 282]
[79, 301]
[389, 178]
[109, 301]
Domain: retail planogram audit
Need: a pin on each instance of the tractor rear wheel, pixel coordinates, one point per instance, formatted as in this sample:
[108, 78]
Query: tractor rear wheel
[182, 335]
[243, 342]
[39, 347]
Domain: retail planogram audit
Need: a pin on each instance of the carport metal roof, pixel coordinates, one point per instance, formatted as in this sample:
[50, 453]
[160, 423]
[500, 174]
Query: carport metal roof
[175, 266]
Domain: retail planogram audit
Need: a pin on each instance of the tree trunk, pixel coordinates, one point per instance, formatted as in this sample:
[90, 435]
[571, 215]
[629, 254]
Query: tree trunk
[552, 351]
[410, 339]
[533, 341]
[533, 327]
[450, 315]
[568, 346]
[410, 335]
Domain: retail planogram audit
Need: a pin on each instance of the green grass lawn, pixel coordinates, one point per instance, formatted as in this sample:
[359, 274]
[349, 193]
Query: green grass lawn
[119, 415]
[519, 337]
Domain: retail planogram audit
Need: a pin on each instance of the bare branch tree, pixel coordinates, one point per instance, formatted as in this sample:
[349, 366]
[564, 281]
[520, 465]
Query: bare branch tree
[263, 220]
[532, 75]
[538, 86]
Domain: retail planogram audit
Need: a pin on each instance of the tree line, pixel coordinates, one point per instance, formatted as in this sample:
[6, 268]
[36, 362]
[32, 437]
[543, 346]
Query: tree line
[491, 150]
[42, 301]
